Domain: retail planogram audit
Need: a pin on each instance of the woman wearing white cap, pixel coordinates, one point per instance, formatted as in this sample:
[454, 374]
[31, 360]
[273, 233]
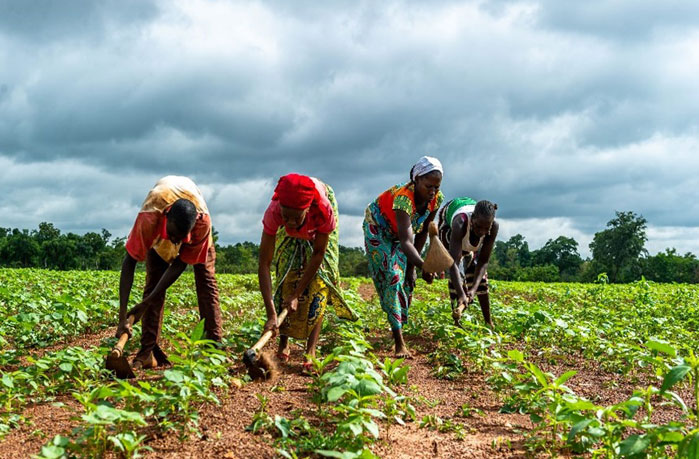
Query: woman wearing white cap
[395, 231]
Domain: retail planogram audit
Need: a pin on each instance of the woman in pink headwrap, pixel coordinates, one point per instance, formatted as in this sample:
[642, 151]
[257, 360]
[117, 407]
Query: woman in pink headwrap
[300, 236]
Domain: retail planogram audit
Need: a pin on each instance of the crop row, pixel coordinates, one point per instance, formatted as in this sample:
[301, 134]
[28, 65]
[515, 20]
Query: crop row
[643, 330]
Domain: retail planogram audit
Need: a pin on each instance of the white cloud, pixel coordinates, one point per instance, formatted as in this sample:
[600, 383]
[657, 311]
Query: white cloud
[558, 114]
[351, 232]
[684, 239]
[537, 231]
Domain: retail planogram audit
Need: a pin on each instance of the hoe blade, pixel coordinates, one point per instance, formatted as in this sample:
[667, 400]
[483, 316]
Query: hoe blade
[120, 367]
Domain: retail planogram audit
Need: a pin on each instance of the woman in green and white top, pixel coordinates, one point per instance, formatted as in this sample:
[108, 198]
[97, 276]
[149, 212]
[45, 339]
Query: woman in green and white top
[468, 230]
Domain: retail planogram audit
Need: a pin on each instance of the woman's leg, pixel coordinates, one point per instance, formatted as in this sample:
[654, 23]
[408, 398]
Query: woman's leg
[484, 302]
[312, 341]
[483, 294]
[283, 345]
[401, 301]
[382, 257]
[402, 351]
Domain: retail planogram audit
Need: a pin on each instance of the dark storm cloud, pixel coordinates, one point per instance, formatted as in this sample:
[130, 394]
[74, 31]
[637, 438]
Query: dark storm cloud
[547, 108]
[624, 20]
[50, 21]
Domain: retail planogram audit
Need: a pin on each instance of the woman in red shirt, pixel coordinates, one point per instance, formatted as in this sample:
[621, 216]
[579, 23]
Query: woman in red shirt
[300, 236]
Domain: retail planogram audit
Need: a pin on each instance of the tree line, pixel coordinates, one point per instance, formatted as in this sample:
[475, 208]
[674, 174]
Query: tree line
[46, 247]
[618, 252]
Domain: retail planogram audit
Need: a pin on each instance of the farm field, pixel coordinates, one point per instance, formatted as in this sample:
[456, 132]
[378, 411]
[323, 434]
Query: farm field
[576, 370]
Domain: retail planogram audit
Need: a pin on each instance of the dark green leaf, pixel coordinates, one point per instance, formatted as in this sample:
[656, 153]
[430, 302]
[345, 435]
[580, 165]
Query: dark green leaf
[635, 444]
[674, 376]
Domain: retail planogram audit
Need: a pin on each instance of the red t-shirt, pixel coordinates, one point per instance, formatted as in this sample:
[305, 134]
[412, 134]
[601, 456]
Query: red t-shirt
[146, 234]
[149, 232]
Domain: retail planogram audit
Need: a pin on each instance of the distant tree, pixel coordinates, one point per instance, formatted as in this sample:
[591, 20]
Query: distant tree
[513, 253]
[669, 266]
[46, 232]
[617, 250]
[561, 252]
[19, 250]
[106, 236]
[61, 252]
[543, 273]
[353, 262]
[89, 246]
[113, 254]
[240, 258]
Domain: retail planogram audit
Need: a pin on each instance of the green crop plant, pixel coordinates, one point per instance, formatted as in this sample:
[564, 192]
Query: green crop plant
[130, 444]
[261, 421]
[396, 373]
[640, 338]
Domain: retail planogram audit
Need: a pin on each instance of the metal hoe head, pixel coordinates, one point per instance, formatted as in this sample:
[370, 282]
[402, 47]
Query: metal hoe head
[261, 367]
[119, 365]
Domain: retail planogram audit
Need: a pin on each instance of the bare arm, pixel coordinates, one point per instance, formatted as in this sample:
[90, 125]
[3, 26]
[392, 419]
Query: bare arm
[405, 236]
[421, 238]
[264, 277]
[171, 274]
[458, 232]
[128, 267]
[484, 257]
[412, 249]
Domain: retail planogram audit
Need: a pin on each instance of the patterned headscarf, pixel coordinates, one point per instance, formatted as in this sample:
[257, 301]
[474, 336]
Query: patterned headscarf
[425, 165]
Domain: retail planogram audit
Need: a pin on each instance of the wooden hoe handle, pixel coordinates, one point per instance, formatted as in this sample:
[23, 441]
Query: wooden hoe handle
[459, 310]
[118, 348]
[268, 334]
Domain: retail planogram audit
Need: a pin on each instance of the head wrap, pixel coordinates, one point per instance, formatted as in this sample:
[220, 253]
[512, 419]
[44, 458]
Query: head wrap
[425, 165]
[296, 191]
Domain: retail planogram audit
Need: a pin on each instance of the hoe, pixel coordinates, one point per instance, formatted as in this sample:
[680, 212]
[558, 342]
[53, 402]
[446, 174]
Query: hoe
[119, 365]
[261, 366]
[116, 360]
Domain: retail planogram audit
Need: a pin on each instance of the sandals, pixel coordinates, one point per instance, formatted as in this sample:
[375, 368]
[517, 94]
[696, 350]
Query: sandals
[306, 368]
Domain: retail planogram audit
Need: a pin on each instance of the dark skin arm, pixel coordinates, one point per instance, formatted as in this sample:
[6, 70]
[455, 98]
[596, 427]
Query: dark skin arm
[320, 245]
[458, 232]
[412, 249]
[264, 277]
[171, 274]
[128, 267]
[484, 258]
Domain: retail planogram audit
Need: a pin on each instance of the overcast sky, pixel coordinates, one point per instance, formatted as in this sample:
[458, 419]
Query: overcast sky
[559, 111]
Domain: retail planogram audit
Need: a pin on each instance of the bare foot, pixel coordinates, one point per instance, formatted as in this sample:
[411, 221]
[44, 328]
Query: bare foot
[403, 353]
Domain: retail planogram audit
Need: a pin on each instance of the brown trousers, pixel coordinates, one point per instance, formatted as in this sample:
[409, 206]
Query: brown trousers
[207, 297]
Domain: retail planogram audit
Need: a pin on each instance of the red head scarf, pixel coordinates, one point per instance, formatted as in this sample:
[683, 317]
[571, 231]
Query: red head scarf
[296, 191]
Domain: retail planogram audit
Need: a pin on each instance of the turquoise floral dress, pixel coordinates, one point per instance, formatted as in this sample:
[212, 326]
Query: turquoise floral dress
[387, 261]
